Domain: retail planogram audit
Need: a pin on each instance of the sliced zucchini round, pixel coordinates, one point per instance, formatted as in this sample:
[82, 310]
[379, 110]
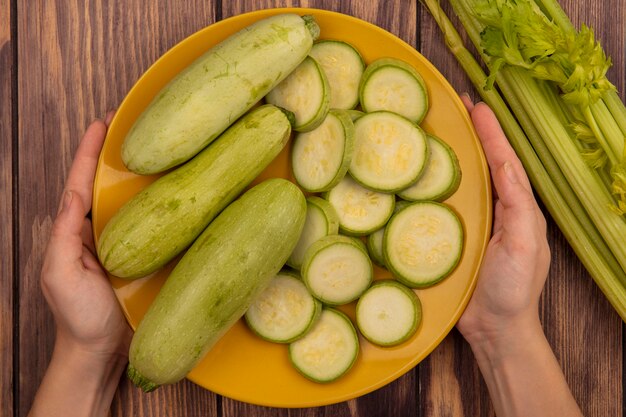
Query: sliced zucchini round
[394, 85]
[321, 157]
[361, 211]
[337, 269]
[284, 311]
[388, 313]
[390, 152]
[375, 246]
[321, 220]
[344, 67]
[328, 350]
[375, 240]
[305, 93]
[355, 114]
[441, 176]
[423, 243]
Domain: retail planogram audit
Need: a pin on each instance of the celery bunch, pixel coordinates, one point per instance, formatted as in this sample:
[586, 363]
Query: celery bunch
[562, 116]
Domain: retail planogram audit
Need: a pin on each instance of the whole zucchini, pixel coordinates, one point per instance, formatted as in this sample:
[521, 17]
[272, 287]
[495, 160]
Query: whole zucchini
[215, 282]
[215, 90]
[163, 219]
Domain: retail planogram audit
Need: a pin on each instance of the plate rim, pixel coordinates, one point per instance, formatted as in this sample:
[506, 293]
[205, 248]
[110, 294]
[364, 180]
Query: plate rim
[409, 365]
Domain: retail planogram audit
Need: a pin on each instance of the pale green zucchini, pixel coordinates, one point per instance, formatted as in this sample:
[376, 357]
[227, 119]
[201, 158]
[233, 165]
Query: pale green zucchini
[355, 114]
[163, 219]
[304, 92]
[321, 220]
[388, 313]
[337, 270]
[328, 350]
[361, 211]
[215, 90]
[390, 152]
[343, 66]
[375, 240]
[321, 157]
[423, 243]
[215, 282]
[441, 176]
[394, 85]
[285, 311]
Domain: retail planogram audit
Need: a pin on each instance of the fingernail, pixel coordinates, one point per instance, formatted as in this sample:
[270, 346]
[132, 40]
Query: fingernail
[510, 173]
[465, 94]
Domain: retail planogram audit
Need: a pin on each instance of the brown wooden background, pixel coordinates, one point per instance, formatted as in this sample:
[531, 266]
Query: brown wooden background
[64, 63]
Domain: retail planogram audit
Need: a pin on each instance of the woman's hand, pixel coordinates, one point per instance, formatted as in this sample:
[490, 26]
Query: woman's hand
[516, 263]
[91, 346]
[501, 321]
[76, 288]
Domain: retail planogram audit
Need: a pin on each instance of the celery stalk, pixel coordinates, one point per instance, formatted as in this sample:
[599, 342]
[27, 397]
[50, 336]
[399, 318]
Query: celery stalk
[617, 109]
[546, 177]
[590, 188]
[557, 14]
[611, 99]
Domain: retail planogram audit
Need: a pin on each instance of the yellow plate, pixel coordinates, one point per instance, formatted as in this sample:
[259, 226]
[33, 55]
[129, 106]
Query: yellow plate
[242, 366]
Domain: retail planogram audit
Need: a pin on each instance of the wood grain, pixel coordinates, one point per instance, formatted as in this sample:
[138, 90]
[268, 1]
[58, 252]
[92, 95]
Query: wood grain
[78, 59]
[592, 366]
[7, 45]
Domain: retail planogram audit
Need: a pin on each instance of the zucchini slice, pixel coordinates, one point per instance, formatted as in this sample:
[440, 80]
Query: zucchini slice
[344, 67]
[321, 220]
[305, 93]
[394, 85]
[361, 211]
[423, 243]
[441, 176]
[375, 246]
[284, 311]
[321, 157]
[355, 114]
[328, 350]
[337, 269]
[388, 313]
[390, 152]
[375, 240]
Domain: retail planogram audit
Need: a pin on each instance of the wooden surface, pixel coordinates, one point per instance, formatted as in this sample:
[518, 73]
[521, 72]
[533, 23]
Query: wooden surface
[7, 45]
[64, 63]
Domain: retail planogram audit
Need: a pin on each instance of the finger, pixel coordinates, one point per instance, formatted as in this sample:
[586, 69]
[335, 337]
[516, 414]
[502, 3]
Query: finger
[66, 241]
[109, 117]
[495, 144]
[467, 102]
[519, 212]
[83, 170]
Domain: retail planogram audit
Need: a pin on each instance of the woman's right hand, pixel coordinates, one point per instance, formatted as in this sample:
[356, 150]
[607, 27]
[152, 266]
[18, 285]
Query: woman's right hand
[516, 263]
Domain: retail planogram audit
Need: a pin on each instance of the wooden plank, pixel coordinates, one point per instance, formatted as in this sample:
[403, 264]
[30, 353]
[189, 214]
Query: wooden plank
[77, 60]
[449, 386]
[400, 397]
[593, 368]
[7, 46]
